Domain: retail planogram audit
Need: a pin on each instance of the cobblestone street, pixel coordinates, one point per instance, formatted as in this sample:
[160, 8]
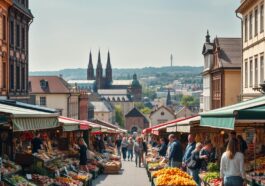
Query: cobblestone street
[129, 176]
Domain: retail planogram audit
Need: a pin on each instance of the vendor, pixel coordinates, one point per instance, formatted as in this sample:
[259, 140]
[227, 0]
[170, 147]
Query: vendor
[37, 143]
[162, 150]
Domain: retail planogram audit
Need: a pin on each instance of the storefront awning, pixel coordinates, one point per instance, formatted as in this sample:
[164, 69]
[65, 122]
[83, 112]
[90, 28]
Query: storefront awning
[185, 125]
[24, 119]
[70, 124]
[226, 117]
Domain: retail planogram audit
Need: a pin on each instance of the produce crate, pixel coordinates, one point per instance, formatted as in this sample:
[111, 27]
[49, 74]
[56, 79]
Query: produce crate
[111, 172]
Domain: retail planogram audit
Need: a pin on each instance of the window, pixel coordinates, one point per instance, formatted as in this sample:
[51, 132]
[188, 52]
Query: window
[12, 76]
[23, 38]
[4, 27]
[256, 72]
[250, 25]
[262, 68]
[251, 72]
[246, 73]
[261, 18]
[23, 78]
[42, 101]
[18, 77]
[162, 113]
[4, 75]
[18, 36]
[256, 22]
[246, 29]
[12, 32]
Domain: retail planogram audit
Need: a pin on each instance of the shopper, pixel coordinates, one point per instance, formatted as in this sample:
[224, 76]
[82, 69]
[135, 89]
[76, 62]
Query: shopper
[175, 152]
[124, 146]
[189, 149]
[130, 149]
[242, 144]
[37, 143]
[205, 154]
[232, 165]
[194, 165]
[83, 151]
[138, 151]
[118, 145]
[162, 149]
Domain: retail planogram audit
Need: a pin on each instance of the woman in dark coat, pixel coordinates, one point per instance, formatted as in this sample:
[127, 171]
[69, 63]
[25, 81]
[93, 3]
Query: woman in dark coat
[83, 154]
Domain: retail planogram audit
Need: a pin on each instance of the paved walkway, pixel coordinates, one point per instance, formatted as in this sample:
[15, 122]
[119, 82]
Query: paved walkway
[129, 176]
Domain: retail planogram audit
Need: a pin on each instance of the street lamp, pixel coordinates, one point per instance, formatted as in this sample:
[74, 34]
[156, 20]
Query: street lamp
[261, 88]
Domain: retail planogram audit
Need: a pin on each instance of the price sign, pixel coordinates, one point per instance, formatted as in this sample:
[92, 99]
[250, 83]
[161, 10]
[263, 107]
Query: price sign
[57, 173]
[29, 176]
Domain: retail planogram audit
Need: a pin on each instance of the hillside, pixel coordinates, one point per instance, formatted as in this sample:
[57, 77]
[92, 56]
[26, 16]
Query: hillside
[126, 73]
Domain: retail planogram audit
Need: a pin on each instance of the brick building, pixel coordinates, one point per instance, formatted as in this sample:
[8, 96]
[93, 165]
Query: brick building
[135, 121]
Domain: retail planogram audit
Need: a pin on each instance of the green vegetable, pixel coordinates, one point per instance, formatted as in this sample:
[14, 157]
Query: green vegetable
[213, 167]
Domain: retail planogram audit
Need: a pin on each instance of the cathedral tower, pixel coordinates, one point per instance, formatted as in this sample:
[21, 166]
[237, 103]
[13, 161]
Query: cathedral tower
[108, 72]
[90, 69]
[99, 73]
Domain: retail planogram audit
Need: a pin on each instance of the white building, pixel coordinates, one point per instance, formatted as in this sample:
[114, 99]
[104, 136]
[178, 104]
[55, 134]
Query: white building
[252, 12]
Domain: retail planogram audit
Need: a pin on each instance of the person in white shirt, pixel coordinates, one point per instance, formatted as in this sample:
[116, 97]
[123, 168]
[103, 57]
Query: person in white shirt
[232, 165]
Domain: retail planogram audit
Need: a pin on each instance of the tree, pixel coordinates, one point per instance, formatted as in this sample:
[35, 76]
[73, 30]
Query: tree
[146, 110]
[187, 101]
[139, 105]
[119, 116]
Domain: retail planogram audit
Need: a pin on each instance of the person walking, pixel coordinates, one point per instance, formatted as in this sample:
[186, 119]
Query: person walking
[118, 145]
[130, 149]
[124, 145]
[162, 149]
[175, 152]
[189, 149]
[232, 165]
[138, 151]
[194, 165]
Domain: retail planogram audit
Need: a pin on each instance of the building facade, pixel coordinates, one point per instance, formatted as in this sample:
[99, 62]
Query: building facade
[135, 121]
[161, 115]
[20, 18]
[54, 92]
[222, 72]
[4, 47]
[104, 111]
[253, 35]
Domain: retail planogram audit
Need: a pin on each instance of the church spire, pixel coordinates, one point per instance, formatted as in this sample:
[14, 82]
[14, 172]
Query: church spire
[108, 71]
[168, 98]
[207, 37]
[99, 65]
[90, 69]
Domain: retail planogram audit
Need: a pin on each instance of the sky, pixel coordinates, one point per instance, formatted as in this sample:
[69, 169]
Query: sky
[138, 33]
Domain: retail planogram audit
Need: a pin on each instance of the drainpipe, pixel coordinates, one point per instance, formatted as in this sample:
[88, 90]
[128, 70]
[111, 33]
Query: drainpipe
[241, 84]
[68, 104]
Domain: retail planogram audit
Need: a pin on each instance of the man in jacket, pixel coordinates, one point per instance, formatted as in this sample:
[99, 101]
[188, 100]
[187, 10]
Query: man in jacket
[189, 149]
[175, 152]
[162, 150]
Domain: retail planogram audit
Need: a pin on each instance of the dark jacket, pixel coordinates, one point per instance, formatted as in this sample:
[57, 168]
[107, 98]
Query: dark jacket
[83, 155]
[175, 152]
[195, 155]
[162, 150]
[144, 147]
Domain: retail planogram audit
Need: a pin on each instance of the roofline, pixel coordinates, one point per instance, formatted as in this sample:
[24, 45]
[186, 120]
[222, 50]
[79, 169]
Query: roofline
[244, 5]
[163, 106]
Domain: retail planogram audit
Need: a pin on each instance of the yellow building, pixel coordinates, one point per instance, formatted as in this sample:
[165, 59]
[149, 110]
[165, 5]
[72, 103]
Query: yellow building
[252, 14]
[4, 47]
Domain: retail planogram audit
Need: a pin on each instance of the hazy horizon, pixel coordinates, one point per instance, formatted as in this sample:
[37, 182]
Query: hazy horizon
[137, 33]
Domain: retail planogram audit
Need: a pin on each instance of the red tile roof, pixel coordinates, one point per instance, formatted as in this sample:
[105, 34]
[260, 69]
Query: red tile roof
[55, 85]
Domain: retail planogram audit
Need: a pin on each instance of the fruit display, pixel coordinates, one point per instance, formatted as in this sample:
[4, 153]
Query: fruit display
[172, 180]
[42, 180]
[156, 166]
[59, 164]
[80, 176]
[112, 166]
[48, 156]
[173, 176]
[92, 167]
[9, 167]
[62, 181]
[17, 180]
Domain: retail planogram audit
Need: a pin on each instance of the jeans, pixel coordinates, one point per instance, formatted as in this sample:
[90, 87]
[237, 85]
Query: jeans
[130, 154]
[124, 152]
[173, 163]
[138, 158]
[195, 174]
[233, 181]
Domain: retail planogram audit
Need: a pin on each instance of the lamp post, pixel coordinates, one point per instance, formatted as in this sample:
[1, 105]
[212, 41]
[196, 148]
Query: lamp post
[261, 88]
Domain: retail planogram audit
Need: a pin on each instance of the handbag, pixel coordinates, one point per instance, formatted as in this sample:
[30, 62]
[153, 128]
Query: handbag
[192, 164]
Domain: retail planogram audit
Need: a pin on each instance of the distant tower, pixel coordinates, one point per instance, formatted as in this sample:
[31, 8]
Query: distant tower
[108, 72]
[169, 102]
[207, 37]
[90, 69]
[171, 60]
[99, 73]
[136, 89]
